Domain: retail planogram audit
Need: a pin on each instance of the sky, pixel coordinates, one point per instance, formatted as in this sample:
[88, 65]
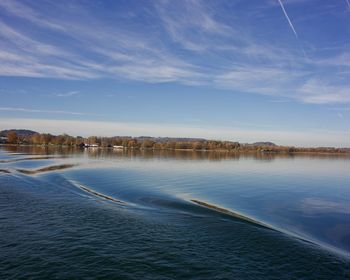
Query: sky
[247, 71]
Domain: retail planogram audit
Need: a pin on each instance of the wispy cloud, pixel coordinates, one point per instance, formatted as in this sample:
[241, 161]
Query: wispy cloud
[187, 42]
[29, 110]
[23, 11]
[318, 92]
[262, 80]
[68, 94]
[340, 108]
[113, 52]
[191, 25]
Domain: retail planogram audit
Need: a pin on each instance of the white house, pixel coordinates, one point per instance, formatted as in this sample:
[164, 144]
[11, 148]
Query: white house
[118, 147]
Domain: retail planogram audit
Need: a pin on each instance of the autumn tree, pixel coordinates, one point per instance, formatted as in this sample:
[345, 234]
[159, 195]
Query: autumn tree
[12, 137]
[197, 145]
[94, 140]
[132, 143]
[35, 139]
[148, 144]
[79, 140]
[45, 138]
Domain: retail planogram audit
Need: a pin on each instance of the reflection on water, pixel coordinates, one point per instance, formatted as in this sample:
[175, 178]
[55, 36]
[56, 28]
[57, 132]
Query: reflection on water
[172, 154]
[303, 197]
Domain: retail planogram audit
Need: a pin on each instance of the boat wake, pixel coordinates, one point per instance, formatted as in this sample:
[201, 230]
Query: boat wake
[195, 207]
[28, 159]
[232, 214]
[160, 201]
[97, 194]
[46, 169]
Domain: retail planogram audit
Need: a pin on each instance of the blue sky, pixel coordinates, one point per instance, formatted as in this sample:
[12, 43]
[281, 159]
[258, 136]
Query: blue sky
[236, 70]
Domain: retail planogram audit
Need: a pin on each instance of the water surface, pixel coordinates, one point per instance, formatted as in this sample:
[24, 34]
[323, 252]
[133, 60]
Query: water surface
[131, 215]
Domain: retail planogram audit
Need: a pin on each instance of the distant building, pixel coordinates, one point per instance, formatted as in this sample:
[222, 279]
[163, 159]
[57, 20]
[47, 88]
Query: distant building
[91, 145]
[3, 140]
[118, 147]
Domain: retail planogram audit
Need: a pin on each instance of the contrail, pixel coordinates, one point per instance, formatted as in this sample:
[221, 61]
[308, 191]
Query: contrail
[287, 17]
[347, 1]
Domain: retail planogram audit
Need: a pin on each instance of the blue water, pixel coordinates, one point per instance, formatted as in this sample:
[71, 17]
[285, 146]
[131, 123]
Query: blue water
[52, 228]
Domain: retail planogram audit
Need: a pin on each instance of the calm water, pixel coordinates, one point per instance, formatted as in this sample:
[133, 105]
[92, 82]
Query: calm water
[62, 224]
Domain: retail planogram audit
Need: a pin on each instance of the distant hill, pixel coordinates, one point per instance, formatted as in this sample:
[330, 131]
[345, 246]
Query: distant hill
[175, 139]
[163, 139]
[264, 144]
[20, 132]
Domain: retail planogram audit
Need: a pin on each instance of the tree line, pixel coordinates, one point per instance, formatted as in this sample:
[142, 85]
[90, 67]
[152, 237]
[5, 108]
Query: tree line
[128, 142]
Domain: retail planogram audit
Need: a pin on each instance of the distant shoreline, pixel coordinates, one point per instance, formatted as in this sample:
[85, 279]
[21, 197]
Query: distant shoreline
[28, 137]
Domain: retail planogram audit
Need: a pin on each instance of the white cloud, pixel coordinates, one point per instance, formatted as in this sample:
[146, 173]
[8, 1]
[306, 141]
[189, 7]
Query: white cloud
[273, 81]
[23, 11]
[29, 110]
[208, 51]
[318, 92]
[68, 94]
[125, 54]
[192, 24]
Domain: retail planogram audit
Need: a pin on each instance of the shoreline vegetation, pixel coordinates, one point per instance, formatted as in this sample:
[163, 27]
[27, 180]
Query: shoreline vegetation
[32, 138]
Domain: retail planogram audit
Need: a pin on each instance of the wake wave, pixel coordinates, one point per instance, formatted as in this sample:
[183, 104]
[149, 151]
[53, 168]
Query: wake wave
[183, 205]
[232, 213]
[28, 159]
[97, 194]
[190, 206]
[46, 169]
[5, 171]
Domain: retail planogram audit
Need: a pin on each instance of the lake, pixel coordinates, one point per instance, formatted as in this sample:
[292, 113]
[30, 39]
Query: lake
[101, 213]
